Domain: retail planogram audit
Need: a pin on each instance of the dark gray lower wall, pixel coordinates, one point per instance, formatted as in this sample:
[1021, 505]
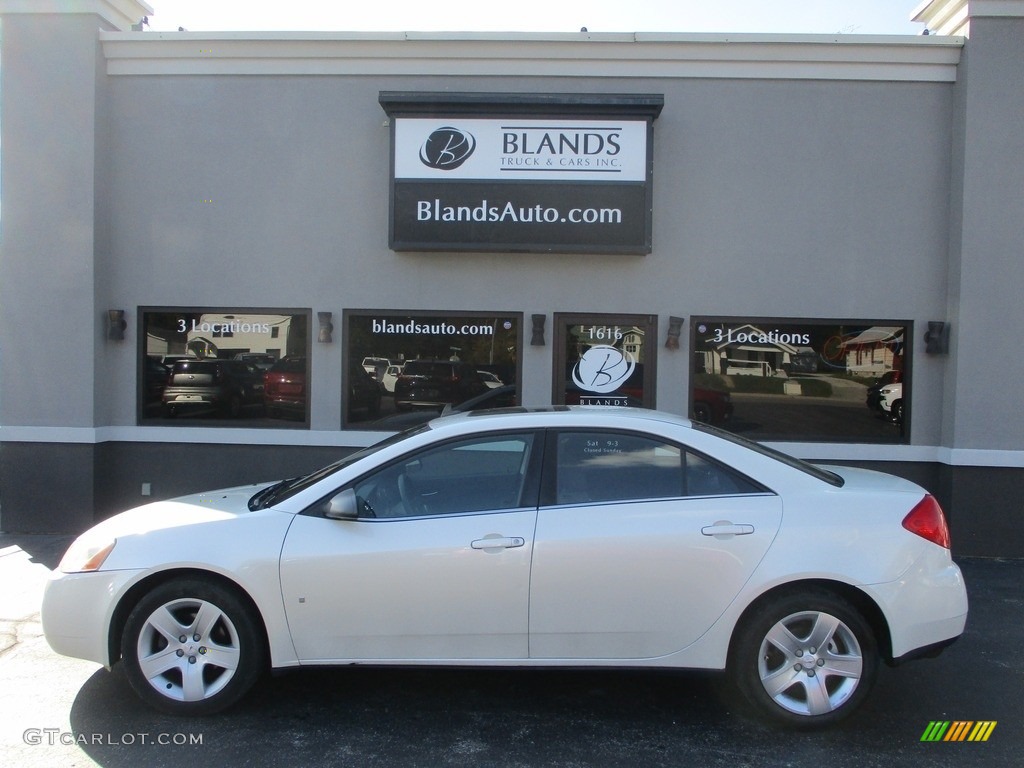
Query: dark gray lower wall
[46, 487]
[56, 488]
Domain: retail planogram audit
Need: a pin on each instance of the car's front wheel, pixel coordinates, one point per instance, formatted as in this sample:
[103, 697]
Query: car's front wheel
[192, 647]
[804, 659]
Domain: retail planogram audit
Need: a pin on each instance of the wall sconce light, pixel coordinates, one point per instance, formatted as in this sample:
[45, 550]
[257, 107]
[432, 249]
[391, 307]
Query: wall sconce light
[675, 327]
[326, 327]
[936, 338]
[116, 324]
[537, 339]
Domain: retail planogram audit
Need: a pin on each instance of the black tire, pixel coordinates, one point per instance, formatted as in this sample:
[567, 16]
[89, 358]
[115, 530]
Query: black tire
[805, 659]
[702, 413]
[897, 412]
[217, 657]
[233, 407]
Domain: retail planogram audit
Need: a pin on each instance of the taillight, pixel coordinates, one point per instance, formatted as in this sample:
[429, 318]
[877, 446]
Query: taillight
[928, 521]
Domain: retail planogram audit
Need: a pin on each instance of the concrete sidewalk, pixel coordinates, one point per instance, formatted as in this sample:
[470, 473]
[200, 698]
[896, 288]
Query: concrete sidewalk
[25, 564]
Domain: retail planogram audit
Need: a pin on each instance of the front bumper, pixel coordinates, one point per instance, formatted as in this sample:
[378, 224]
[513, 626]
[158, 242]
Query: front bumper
[77, 610]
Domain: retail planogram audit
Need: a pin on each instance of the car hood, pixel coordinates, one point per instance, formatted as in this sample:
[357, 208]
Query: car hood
[206, 507]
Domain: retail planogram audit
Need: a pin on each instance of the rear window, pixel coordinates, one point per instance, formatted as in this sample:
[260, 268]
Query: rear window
[193, 374]
[811, 469]
[206, 370]
[433, 370]
[290, 365]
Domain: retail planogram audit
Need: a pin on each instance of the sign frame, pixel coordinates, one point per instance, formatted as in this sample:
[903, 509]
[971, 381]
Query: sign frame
[580, 185]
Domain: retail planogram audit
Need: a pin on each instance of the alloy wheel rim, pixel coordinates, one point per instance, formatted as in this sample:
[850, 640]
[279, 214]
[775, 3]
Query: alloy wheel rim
[810, 663]
[188, 649]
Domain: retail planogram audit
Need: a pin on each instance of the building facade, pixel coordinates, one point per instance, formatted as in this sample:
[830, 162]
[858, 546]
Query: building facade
[228, 258]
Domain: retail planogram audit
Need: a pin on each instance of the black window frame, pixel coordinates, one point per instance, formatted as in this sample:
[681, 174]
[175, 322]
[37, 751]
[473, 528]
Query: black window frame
[873, 432]
[351, 356]
[143, 412]
[564, 320]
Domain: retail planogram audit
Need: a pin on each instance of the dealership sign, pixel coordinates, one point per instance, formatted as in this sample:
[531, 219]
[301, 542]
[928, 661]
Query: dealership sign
[570, 175]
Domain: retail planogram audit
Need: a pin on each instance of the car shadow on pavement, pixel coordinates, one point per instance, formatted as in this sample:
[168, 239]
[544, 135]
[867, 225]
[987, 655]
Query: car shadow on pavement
[45, 549]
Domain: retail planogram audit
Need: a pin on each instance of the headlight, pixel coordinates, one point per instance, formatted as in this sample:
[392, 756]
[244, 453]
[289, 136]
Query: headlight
[86, 554]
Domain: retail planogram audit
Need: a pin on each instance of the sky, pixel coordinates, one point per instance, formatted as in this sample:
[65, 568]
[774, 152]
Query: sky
[862, 17]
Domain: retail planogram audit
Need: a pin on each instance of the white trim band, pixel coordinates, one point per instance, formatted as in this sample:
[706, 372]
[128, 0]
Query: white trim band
[957, 457]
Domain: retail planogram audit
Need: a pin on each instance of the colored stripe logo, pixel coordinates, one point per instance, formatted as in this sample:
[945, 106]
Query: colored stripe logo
[958, 730]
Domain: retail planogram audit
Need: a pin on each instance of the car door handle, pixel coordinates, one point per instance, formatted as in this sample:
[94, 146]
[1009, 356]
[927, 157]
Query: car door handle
[498, 542]
[724, 529]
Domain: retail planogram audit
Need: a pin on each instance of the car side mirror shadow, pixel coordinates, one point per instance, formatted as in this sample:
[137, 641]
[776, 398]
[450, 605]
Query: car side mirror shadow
[342, 506]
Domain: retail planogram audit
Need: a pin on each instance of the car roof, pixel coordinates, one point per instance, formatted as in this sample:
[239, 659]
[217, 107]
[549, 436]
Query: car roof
[556, 415]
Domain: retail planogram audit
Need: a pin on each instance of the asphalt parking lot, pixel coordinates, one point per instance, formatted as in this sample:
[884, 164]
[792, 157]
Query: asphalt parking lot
[59, 711]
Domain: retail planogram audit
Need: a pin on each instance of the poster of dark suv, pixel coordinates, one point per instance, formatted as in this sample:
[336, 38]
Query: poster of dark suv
[423, 363]
[806, 380]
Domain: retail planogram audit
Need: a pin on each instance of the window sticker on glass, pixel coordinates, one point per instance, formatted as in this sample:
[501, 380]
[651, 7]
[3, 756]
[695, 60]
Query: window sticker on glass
[405, 369]
[608, 360]
[224, 367]
[778, 379]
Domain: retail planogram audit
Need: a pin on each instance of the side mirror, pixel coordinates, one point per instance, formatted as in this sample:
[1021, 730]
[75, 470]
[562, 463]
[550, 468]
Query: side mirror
[343, 506]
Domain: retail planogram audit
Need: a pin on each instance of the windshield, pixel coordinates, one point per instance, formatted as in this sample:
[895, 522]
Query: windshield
[811, 469]
[288, 488]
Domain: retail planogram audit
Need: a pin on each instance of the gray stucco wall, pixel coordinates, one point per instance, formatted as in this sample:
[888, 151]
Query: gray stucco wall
[989, 368]
[49, 86]
[798, 199]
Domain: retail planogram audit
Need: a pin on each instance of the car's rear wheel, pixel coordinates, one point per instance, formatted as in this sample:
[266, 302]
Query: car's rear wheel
[192, 647]
[804, 659]
[897, 412]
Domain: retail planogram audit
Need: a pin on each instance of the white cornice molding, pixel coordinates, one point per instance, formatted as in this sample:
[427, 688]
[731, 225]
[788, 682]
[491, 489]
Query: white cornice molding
[953, 17]
[943, 17]
[120, 13]
[592, 55]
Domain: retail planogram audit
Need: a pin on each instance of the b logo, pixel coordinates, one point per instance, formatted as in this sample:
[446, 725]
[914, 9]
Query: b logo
[602, 369]
[447, 148]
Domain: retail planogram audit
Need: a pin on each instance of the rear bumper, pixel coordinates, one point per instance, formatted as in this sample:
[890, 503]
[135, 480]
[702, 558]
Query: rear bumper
[928, 652]
[926, 609]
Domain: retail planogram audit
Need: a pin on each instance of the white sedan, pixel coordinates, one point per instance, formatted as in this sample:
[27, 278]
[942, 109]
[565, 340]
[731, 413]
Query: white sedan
[556, 537]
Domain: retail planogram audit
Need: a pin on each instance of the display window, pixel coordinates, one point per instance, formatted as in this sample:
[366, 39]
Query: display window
[403, 369]
[605, 360]
[224, 367]
[806, 380]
